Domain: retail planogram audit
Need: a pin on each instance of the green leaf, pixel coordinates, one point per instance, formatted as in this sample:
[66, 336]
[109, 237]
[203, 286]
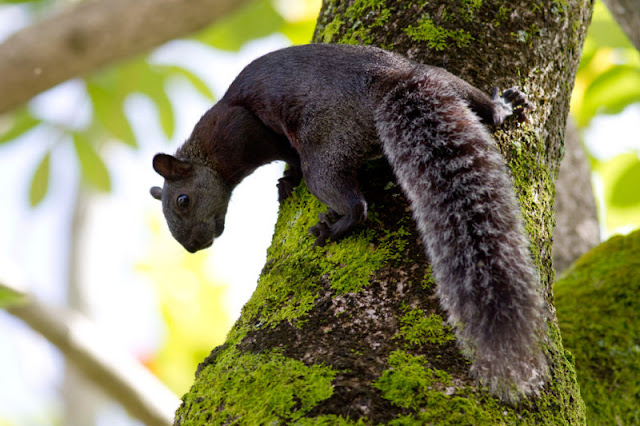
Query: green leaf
[617, 175]
[142, 77]
[94, 171]
[626, 190]
[298, 32]
[258, 19]
[589, 51]
[611, 92]
[195, 81]
[165, 110]
[108, 109]
[40, 181]
[21, 123]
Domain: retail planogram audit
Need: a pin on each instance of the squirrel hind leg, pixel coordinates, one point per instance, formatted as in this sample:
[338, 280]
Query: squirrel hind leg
[346, 209]
[333, 226]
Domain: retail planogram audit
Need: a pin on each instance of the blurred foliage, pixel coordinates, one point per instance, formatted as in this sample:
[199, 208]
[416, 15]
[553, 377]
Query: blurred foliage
[621, 191]
[21, 1]
[608, 78]
[608, 81]
[262, 18]
[192, 307]
[108, 89]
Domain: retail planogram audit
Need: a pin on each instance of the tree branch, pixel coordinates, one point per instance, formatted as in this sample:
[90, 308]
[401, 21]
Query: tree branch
[627, 15]
[115, 372]
[93, 34]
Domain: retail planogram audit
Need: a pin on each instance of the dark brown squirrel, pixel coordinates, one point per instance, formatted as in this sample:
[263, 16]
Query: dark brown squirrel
[324, 110]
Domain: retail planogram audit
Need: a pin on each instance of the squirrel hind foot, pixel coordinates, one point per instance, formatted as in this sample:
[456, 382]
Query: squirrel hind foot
[332, 225]
[511, 102]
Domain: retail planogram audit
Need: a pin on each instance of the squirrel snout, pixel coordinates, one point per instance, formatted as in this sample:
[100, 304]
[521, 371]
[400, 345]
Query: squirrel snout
[200, 237]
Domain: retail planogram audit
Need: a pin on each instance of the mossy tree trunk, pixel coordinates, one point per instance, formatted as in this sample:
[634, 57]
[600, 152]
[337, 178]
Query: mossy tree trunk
[353, 331]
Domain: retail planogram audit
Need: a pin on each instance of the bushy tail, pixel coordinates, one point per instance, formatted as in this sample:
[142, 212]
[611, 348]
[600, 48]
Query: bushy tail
[467, 214]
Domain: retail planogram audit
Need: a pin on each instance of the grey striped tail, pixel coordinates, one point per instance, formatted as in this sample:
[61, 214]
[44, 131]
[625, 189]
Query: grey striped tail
[470, 222]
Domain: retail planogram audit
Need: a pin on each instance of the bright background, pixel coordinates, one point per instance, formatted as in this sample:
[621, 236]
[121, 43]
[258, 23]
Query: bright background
[76, 216]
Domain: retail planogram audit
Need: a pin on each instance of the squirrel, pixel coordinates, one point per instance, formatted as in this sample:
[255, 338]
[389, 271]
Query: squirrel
[324, 110]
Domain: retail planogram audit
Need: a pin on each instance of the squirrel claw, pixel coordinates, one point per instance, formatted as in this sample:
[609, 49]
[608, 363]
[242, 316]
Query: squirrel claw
[322, 232]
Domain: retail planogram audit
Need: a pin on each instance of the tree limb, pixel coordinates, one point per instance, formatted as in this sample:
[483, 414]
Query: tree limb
[627, 15]
[119, 375]
[93, 34]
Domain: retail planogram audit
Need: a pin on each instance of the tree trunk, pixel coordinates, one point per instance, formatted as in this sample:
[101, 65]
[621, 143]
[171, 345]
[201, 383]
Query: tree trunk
[354, 329]
[577, 229]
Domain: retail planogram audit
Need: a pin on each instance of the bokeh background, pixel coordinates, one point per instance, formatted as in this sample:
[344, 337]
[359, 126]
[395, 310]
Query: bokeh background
[78, 227]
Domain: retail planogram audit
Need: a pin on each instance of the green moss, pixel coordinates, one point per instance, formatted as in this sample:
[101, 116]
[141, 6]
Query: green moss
[467, 10]
[362, 19]
[502, 16]
[560, 7]
[331, 420]
[417, 329]
[330, 30]
[257, 388]
[535, 187]
[291, 281]
[437, 37]
[428, 396]
[361, 8]
[409, 384]
[598, 311]
[428, 282]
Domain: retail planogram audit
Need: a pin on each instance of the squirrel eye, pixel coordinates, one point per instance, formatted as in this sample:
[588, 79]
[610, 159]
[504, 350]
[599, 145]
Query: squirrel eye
[182, 201]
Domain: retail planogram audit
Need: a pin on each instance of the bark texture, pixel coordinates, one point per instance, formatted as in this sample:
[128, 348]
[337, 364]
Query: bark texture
[353, 332]
[92, 34]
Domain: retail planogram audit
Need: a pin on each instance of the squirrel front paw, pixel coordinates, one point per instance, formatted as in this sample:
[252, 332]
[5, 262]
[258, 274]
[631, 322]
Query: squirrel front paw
[287, 183]
[285, 188]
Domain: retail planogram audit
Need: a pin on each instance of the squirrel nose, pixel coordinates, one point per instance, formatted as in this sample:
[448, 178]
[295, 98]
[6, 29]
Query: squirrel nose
[200, 237]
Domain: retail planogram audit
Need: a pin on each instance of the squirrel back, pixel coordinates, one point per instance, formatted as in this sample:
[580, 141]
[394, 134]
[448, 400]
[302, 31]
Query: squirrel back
[325, 109]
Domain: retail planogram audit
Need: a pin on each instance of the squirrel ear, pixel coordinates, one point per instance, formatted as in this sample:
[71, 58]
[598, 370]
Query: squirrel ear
[156, 192]
[170, 168]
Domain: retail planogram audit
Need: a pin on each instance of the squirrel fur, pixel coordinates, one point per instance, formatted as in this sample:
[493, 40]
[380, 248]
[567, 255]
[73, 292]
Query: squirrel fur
[324, 110]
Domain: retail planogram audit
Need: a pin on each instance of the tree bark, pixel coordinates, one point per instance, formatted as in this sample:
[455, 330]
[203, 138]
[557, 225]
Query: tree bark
[92, 34]
[354, 331]
[577, 229]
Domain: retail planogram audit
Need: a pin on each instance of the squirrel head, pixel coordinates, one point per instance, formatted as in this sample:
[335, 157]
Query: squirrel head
[194, 201]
